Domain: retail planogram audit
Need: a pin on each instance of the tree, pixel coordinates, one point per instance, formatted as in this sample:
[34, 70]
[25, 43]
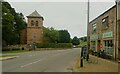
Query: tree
[75, 41]
[7, 24]
[83, 38]
[51, 35]
[64, 36]
[12, 23]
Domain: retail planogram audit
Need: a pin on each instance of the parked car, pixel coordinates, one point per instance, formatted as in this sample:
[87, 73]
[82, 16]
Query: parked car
[74, 46]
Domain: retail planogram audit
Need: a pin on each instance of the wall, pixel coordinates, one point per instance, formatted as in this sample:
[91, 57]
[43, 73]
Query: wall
[23, 36]
[35, 33]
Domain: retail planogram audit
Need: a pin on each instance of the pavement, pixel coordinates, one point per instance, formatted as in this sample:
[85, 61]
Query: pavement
[42, 61]
[3, 58]
[8, 56]
[96, 64]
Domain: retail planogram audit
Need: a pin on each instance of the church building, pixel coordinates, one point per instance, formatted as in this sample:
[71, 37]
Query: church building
[34, 30]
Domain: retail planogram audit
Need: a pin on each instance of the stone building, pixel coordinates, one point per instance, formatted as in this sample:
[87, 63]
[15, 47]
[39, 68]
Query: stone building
[23, 36]
[34, 30]
[103, 33]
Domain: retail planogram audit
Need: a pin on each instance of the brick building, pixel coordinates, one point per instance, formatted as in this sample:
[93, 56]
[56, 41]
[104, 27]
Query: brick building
[34, 30]
[103, 32]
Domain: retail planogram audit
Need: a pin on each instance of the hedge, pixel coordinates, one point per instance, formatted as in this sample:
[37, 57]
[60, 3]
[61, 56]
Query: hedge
[54, 45]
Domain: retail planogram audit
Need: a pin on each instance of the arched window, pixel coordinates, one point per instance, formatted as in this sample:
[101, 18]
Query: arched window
[36, 23]
[32, 23]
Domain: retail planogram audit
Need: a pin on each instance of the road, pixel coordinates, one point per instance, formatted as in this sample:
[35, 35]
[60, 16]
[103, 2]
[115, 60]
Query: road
[41, 61]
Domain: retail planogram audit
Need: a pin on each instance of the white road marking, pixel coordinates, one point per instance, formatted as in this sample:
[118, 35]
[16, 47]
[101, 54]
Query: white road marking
[40, 60]
[30, 55]
[36, 61]
[30, 63]
[26, 65]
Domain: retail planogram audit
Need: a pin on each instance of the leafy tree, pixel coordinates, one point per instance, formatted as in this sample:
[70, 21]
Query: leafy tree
[7, 25]
[83, 38]
[19, 23]
[12, 23]
[75, 41]
[64, 36]
[51, 35]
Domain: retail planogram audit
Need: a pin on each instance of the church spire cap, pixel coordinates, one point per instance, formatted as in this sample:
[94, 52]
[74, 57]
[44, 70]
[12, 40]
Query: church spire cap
[35, 14]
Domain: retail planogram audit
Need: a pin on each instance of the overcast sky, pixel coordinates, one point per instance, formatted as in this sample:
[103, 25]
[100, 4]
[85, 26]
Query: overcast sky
[64, 15]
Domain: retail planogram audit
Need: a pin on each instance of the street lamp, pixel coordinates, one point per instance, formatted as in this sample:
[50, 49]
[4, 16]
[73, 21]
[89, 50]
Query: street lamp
[117, 30]
[87, 55]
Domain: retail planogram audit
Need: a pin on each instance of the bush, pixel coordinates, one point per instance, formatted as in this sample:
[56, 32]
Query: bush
[54, 45]
[10, 48]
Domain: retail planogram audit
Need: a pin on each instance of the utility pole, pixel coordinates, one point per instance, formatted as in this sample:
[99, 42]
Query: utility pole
[117, 31]
[87, 56]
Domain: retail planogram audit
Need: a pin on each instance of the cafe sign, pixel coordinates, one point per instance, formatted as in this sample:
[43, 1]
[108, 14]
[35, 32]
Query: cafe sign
[107, 35]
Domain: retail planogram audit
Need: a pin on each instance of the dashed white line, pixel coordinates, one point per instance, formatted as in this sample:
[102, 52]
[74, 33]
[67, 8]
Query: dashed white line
[26, 65]
[38, 60]
[30, 55]
[30, 63]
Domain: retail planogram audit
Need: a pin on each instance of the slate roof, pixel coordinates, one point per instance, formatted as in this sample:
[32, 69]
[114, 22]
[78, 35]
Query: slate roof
[35, 14]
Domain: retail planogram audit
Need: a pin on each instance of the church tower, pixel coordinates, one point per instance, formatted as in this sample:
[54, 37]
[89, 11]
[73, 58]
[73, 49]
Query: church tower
[35, 28]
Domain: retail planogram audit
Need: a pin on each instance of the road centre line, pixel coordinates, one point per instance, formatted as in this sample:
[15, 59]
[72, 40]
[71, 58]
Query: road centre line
[34, 62]
[40, 60]
[30, 63]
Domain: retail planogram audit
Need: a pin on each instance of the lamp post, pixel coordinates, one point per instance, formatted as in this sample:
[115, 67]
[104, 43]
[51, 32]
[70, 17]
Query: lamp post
[81, 58]
[117, 30]
[87, 55]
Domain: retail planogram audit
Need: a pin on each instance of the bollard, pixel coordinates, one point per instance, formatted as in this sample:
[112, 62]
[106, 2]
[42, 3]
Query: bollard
[81, 62]
[81, 58]
[87, 57]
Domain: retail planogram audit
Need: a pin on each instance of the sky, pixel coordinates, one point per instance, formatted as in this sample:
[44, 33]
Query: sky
[70, 15]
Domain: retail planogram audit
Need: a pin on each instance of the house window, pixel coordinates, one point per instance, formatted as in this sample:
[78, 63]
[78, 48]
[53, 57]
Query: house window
[108, 47]
[32, 23]
[36, 23]
[105, 22]
[94, 27]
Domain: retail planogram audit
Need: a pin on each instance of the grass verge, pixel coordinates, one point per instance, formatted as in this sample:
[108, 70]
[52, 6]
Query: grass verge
[14, 51]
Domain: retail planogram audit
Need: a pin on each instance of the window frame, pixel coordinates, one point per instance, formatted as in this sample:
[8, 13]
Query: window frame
[32, 23]
[94, 27]
[36, 23]
[105, 22]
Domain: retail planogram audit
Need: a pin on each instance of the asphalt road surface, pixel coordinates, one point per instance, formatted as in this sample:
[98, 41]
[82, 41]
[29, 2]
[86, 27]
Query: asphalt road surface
[41, 61]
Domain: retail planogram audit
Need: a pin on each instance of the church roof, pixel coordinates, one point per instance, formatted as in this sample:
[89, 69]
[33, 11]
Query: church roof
[35, 14]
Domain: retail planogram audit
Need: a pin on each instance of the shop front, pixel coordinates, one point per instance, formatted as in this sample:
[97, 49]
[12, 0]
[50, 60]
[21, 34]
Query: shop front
[93, 42]
[108, 43]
